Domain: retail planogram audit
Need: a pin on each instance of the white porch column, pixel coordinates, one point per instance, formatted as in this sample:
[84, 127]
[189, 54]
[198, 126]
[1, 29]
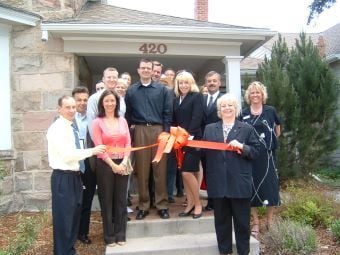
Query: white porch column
[233, 75]
[5, 95]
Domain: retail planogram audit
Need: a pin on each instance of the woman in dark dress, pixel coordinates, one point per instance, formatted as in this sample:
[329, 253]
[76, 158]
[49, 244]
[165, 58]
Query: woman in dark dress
[188, 114]
[265, 177]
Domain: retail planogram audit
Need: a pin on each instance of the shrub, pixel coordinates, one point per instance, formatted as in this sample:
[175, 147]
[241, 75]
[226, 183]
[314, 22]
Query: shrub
[329, 173]
[289, 237]
[335, 229]
[262, 211]
[27, 231]
[309, 206]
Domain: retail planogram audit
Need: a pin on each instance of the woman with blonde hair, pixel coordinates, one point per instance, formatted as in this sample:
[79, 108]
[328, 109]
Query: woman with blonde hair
[267, 129]
[188, 114]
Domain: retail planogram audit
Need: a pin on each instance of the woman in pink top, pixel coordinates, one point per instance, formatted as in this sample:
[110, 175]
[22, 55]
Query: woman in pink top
[112, 176]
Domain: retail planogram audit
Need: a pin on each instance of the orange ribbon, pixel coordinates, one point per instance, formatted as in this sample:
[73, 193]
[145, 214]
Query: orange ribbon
[176, 139]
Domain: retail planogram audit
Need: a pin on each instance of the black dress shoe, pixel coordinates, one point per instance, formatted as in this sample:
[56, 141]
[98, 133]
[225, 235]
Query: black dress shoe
[141, 214]
[196, 216]
[84, 239]
[129, 203]
[208, 208]
[186, 214]
[128, 219]
[180, 194]
[171, 200]
[164, 214]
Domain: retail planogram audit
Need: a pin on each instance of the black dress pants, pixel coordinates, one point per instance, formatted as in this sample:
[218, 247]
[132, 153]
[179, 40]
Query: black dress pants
[67, 190]
[89, 181]
[227, 211]
[112, 192]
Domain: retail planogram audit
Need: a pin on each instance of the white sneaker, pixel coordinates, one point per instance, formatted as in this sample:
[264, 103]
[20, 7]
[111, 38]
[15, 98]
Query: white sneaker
[129, 210]
[111, 245]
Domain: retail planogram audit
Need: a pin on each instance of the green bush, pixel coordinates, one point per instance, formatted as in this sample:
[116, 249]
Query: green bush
[329, 173]
[335, 229]
[27, 231]
[308, 206]
[262, 211]
[289, 237]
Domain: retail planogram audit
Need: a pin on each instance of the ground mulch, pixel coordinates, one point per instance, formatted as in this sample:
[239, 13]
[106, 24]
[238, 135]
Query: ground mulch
[326, 245]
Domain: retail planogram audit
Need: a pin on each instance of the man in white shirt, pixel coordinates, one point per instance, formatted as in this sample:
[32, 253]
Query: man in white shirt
[81, 95]
[66, 186]
[110, 77]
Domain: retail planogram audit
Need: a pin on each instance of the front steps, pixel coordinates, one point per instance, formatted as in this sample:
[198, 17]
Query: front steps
[184, 236]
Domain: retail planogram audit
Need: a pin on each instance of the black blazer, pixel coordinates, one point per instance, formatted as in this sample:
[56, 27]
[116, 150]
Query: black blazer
[210, 115]
[230, 174]
[189, 113]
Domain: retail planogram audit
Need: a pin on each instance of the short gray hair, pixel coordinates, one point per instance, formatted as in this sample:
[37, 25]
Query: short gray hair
[231, 98]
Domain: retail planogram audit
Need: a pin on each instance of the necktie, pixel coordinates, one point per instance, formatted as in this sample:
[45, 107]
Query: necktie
[210, 102]
[76, 141]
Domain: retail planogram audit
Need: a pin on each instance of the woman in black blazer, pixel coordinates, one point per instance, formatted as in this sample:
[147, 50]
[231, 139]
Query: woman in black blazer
[229, 175]
[188, 114]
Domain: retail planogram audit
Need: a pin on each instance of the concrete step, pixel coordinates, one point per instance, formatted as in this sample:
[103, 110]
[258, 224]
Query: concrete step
[172, 226]
[173, 236]
[184, 244]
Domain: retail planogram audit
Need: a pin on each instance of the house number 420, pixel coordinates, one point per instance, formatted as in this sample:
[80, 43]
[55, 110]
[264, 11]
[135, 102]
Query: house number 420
[153, 48]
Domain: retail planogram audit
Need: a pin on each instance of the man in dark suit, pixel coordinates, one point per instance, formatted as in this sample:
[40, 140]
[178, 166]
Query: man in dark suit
[229, 175]
[88, 177]
[213, 83]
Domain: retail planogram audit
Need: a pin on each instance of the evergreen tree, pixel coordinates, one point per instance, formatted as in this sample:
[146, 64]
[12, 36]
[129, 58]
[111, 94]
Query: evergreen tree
[317, 93]
[303, 90]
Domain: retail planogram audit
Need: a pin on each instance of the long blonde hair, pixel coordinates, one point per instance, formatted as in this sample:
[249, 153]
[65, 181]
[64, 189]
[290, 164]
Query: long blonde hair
[185, 76]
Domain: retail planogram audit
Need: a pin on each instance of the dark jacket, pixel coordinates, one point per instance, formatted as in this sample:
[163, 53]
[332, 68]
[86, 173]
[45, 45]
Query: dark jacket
[210, 115]
[230, 174]
[189, 114]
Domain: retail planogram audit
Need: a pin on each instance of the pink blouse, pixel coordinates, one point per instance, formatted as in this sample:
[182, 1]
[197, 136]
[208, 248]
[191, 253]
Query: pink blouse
[120, 137]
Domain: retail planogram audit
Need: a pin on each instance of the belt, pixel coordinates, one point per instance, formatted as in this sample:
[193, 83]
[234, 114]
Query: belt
[148, 124]
[67, 171]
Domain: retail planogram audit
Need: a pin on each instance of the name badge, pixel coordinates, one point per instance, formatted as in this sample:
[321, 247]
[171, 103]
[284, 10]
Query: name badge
[246, 117]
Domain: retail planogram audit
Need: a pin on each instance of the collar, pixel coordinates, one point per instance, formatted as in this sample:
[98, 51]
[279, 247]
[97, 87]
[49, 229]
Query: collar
[80, 116]
[214, 95]
[151, 84]
[64, 120]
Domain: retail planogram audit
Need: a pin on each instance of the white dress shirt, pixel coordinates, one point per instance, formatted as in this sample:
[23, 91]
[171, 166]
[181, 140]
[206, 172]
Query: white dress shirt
[214, 96]
[62, 151]
[92, 109]
[122, 107]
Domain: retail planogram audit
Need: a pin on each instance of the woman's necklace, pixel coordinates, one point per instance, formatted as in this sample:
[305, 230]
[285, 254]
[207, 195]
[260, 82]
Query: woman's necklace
[226, 129]
[257, 111]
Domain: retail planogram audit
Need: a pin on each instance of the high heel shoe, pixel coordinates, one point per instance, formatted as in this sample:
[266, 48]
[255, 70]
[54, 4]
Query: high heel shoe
[198, 215]
[186, 214]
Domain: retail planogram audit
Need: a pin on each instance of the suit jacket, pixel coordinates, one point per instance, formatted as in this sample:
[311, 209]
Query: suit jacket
[230, 174]
[210, 115]
[189, 113]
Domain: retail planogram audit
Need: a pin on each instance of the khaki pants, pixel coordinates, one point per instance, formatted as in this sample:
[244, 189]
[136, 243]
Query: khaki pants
[147, 135]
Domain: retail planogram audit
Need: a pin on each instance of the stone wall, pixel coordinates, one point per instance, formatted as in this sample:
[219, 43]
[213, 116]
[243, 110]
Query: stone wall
[49, 9]
[41, 73]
